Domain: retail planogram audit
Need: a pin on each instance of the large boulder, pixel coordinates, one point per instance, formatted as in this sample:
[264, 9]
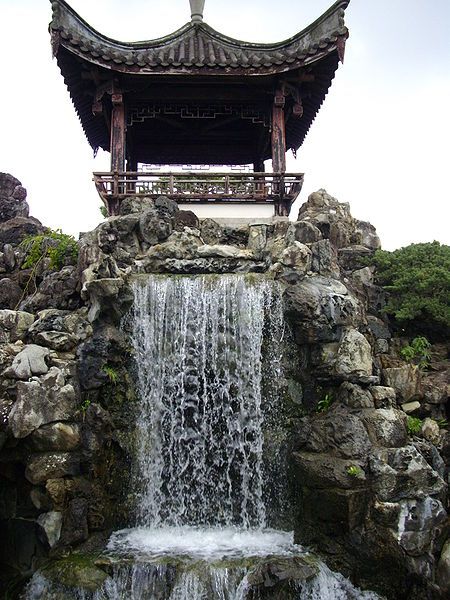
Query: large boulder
[13, 196]
[40, 401]
[30, 361]
[319, 308]
[14, 324]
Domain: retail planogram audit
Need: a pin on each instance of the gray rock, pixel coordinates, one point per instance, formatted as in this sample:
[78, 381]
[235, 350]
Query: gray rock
[211, 232]
[155, 226]
[367, 235]
[405, 380]
[354, 357]
[384, 397]
[15, 230]
[430, 431]
[30, 361]
[14, 325]
[41, 401]
[324, 259]
[56, 436]
[324, 470]
[180, 245]
[257, 240]
[319, 308]
[354, 396]
[224, 251]
[135, 205]
[51, 465]
[12, 198]
[9, 257]
[305, 232]
[297, 256]
[185, 218]
[377, 327]
[418, 520]
[398, 473]
[443, 569]
[353, 257]
[51, 523]
[10, 293]
[166, 205]
[410, 407]
[56, 340]
[75, 526]
[102, 292]
[386, 427]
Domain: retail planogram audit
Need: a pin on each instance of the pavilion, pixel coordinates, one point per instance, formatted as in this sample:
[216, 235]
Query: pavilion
[198, 97]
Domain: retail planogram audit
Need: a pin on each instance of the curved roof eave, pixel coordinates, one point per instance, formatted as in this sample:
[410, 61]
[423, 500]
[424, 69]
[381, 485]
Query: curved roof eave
[197, 46]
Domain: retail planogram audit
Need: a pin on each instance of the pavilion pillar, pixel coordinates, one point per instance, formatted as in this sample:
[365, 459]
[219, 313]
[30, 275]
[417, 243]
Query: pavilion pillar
[117, 147]
[279, 150]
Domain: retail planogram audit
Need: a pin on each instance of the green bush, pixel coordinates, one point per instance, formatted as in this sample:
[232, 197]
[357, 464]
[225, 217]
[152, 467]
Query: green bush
[417, 352]
[55, 245]
[414, 425]
[417, 278]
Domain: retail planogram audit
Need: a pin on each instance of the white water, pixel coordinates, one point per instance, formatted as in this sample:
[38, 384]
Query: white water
[207, 364]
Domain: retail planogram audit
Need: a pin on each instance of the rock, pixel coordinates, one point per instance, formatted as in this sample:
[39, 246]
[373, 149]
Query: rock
[319, 308]
[51, 523]
[297, 256]
[30, 361]
[51, 465]
[211, 232]
[185, 218]
[367, 235]
[135, 205]
[155, 226]
[436, 387]
[41, 401]
[166, 205]
[323, 470]
[410, 407]
[15, 230]
[56, 436]
[14, 324]
[443, 569]
[398, 473]
[224, 251]
[354, 357]
[377, 327]
[384, 397]
[324, 259]
[56, 490]
[12, 198]
[405, 380]
[10, 293]
[353, 257]
[56, 340]
[102, 293]
[257, 240]
[305, 232]
[180, 245]
[363, 277]
[430, 431]
[386, 427]
[354, 396]
[58, 289]
[417, 524]
[269, 574]
[75, 525]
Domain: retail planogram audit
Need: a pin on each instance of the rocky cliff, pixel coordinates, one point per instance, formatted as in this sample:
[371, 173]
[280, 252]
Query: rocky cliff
[368, 493]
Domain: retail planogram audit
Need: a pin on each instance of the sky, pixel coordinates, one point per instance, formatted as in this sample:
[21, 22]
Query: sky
[380, 142]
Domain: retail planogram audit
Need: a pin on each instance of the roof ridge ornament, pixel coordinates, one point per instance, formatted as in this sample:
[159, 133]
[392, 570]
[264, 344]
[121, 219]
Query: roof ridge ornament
[197, 7]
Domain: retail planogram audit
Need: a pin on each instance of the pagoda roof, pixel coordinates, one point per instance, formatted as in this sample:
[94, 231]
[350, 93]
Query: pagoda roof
[196, 48]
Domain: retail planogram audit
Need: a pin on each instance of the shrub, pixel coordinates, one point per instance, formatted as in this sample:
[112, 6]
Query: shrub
[414, 425]
[417, 278]
[324, 403]
[417, 352]
[55, 245]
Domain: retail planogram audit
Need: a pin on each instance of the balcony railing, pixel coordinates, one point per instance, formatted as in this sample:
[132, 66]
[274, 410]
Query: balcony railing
[275, 188]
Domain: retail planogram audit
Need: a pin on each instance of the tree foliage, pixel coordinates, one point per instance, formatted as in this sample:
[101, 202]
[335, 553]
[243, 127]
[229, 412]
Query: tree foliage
[417, 278]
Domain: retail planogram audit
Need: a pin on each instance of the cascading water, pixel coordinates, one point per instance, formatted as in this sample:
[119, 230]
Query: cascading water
[198, 343]
[208, 352]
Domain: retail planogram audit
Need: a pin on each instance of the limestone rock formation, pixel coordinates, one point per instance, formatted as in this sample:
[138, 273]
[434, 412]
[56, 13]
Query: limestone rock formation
[369, 493]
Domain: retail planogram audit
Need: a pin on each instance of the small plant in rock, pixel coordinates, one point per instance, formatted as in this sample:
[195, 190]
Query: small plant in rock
[443, 423]
[417, 352]
[84, 407]
[55, 245]
[354, 471]
[104, 211]
[324, 403]
[413, 425]
[111, 373]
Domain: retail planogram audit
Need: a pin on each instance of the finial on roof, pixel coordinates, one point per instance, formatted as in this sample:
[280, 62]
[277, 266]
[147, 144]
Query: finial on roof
[197, 10]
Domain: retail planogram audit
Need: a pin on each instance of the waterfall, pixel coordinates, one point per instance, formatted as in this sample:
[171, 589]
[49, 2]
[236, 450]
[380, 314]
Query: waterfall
[198, 343]
[207, 369]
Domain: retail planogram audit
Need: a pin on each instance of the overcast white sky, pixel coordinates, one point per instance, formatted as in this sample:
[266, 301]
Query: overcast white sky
[381, 140]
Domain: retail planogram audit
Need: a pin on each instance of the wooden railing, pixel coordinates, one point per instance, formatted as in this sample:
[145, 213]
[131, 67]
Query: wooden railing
[280, 189]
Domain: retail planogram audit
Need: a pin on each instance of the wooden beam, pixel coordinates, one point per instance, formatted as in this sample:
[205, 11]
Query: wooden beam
[278, 134]
[118, 129]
